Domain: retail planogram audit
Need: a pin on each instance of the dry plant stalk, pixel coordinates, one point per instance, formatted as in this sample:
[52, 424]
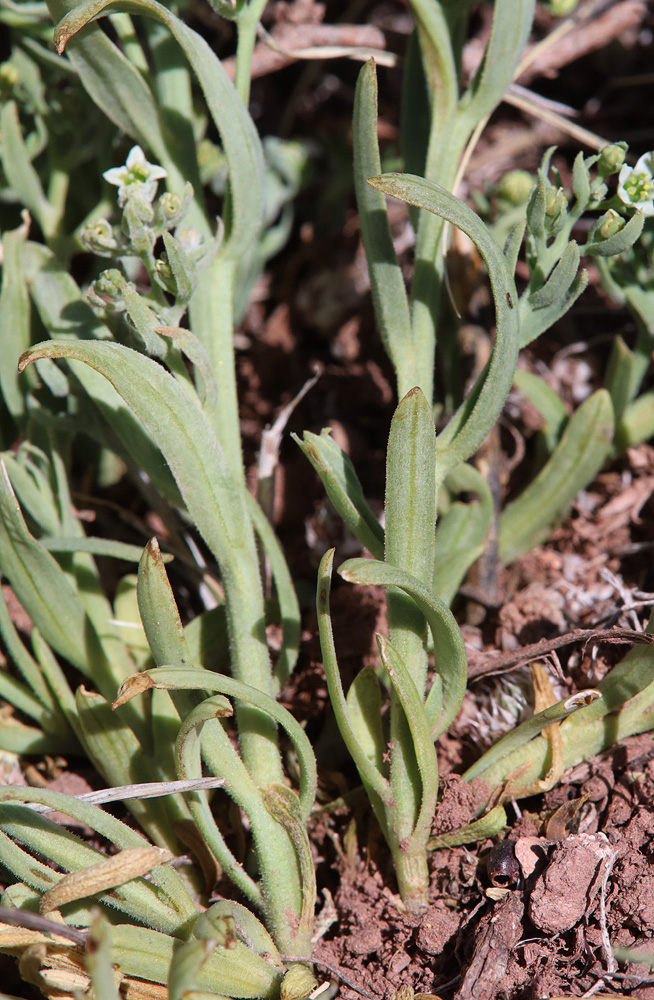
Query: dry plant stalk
[122, 867]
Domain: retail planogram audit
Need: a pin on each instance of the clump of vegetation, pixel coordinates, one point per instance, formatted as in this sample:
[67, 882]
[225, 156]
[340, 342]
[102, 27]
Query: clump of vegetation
[176, 717]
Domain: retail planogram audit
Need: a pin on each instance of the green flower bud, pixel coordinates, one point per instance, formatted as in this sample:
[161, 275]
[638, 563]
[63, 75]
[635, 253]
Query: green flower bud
[556, 203]
[515, 187]
[170, 209]
[609, 224]
[98, 237]
[165, 274]
[561, 8]
[227, 8]
[107, 291]
[8, 75]
[298, 982]
[170, 204]
[611, 158]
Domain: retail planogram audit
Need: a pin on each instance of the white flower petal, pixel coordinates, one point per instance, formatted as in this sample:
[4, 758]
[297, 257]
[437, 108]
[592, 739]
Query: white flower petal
[135, 158]
[625, 172]
[115, 175]
[644, 165]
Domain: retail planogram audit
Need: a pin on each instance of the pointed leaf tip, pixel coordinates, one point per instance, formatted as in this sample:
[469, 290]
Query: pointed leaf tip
[153, 549]
[131, 686]
[23, 361]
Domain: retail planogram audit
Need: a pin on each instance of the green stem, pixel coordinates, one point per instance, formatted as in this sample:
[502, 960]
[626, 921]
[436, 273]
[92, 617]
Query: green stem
[441, 167]
[212, 321]
[57, 194]
[247, 22]
[412, 874]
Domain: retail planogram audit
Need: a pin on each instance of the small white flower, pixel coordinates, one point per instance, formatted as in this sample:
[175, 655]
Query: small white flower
[136, 176]
[189, 239]
[636, 184]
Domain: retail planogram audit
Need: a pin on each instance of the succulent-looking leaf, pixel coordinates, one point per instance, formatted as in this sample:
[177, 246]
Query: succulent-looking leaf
[474, 419]
[581, 452]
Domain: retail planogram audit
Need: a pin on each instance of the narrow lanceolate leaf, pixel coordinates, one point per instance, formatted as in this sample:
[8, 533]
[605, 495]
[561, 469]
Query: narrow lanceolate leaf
[512, 21]
[559, 281]
[370, 774]
[533, 322]
[474, 419]
[107, 547]
[410, 504]
[532, 727]
[236, 780]
[581, 452]
[410, 513]
[234, 972]
[115, 85]
[20, 173]
[237, 131]
[343, 488]
[364, 710]
[158, 610]
[283, 805]
[620, 241]
[289, 608]
[14, 320]
[216, 503]
[487, 826]
[104, 980]
[386, 278]
[449, 648]
[117, 870]
[39, 582]
[418, 724]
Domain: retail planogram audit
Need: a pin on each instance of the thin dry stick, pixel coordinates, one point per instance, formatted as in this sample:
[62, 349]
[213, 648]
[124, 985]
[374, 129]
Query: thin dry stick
[35, 922]
[144, 790]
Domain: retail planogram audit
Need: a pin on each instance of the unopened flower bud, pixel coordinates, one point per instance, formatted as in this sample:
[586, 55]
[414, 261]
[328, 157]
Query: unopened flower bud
[609, 224]
[169, 205]
[298, 982]
[98, 237]
[8, 75]
[556, 203]
[515, 186]
[227, 8]
[611, 158]
[107, 291]
[561, 8]
[165, 274]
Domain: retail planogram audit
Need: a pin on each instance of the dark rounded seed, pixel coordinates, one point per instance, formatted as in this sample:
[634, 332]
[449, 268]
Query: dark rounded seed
[502, 865]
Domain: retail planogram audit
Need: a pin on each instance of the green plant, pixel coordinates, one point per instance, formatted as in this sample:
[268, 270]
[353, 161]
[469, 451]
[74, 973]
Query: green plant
[422, 562]
[162, 401]
[168, 712]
